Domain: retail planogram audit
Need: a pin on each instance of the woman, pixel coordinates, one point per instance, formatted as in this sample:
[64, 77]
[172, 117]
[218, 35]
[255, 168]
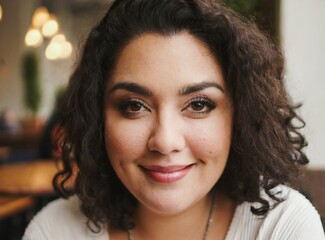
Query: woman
[181, 128]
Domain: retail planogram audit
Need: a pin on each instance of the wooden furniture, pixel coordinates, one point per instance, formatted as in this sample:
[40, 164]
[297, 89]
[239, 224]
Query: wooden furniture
[24, 189]
[28, 178]
[21, 139]
[19, 146]
[4, 153]
[14, 205]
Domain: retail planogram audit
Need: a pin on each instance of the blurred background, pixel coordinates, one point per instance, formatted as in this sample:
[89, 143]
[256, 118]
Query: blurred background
[39, 46]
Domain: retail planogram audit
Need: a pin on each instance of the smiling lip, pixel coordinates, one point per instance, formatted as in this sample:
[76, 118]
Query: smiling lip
[168, 174]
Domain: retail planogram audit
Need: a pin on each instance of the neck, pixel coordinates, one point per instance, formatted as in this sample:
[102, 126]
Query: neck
[189, 224]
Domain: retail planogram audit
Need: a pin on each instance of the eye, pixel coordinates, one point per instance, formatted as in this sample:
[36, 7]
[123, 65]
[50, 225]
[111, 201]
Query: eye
[200, 105]
[135, 106]
[132, 107]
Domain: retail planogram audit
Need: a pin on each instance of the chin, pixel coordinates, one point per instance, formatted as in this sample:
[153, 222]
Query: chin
[167, 204]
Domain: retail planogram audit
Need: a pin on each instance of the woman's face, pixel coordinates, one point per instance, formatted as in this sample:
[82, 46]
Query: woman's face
[168, 121]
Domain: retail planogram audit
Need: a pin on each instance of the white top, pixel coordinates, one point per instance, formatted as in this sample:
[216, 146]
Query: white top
[294, 219]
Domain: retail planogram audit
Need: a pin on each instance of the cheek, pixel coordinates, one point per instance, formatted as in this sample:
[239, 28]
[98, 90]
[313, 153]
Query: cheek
[211, 140]
[124, 142]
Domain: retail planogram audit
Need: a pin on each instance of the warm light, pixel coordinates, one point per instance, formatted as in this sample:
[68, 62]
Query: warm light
[33, 38]
[40, 16]
[66, 50]
[58, 38]
[50, 28]
[58, 48]
[0, 12]
[53, 51]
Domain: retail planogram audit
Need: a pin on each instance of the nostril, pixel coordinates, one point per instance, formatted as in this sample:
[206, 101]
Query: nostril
[165, 143]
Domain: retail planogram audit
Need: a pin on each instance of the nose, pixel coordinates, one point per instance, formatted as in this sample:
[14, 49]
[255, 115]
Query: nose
[167, 135]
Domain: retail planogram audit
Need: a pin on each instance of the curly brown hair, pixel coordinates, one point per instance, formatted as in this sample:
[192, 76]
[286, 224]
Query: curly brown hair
[266, 147]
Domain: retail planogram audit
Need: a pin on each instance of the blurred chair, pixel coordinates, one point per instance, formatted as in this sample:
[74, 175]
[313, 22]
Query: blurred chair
[13, 205]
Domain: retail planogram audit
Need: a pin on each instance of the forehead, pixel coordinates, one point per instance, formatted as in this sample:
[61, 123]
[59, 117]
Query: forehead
[155, 59]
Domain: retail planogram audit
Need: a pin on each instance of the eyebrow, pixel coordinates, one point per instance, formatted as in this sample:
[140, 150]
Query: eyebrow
[132, 87]
[198, 87]
[136, 88]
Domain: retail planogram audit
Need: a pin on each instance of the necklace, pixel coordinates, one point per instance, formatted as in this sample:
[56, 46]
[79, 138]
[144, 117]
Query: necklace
[206, 231]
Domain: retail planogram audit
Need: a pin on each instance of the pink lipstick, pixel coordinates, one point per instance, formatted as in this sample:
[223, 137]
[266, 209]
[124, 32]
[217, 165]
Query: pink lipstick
[169, 174]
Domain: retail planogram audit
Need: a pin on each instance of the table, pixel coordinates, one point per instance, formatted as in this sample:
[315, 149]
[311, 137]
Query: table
[28, 178]
[13, 205]
[26, 187]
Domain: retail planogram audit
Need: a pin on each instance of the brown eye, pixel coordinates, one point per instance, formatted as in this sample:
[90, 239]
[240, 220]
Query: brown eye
[135, 106]
[132, 108]
[198, 106]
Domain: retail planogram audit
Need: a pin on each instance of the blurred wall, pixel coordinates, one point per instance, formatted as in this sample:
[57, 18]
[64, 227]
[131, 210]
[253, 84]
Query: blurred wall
[14, 20]
[75, 18]
[303, 41]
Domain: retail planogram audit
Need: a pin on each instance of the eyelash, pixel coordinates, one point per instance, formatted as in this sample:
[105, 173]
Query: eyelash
[205, 101]
[125, 105]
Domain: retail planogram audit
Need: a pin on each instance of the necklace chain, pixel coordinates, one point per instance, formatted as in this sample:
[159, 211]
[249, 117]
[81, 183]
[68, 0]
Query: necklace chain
[207, 227]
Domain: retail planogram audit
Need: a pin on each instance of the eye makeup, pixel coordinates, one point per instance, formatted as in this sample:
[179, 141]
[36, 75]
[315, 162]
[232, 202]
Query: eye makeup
[201, 105]
[132, 107]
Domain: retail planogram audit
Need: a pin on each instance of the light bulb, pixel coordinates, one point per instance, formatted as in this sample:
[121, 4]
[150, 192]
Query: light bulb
[63, 48]
[66, 50]
[53, 51]
[50, 27]
[33, 38]
[58, 38]
[40, 16]
[0, 13]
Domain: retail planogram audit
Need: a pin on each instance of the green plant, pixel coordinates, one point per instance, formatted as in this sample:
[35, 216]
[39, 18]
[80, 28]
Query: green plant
[30, 72]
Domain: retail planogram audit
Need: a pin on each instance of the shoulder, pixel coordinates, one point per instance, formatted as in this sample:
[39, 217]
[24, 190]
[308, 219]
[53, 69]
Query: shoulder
[61, 219]
[293, 218]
